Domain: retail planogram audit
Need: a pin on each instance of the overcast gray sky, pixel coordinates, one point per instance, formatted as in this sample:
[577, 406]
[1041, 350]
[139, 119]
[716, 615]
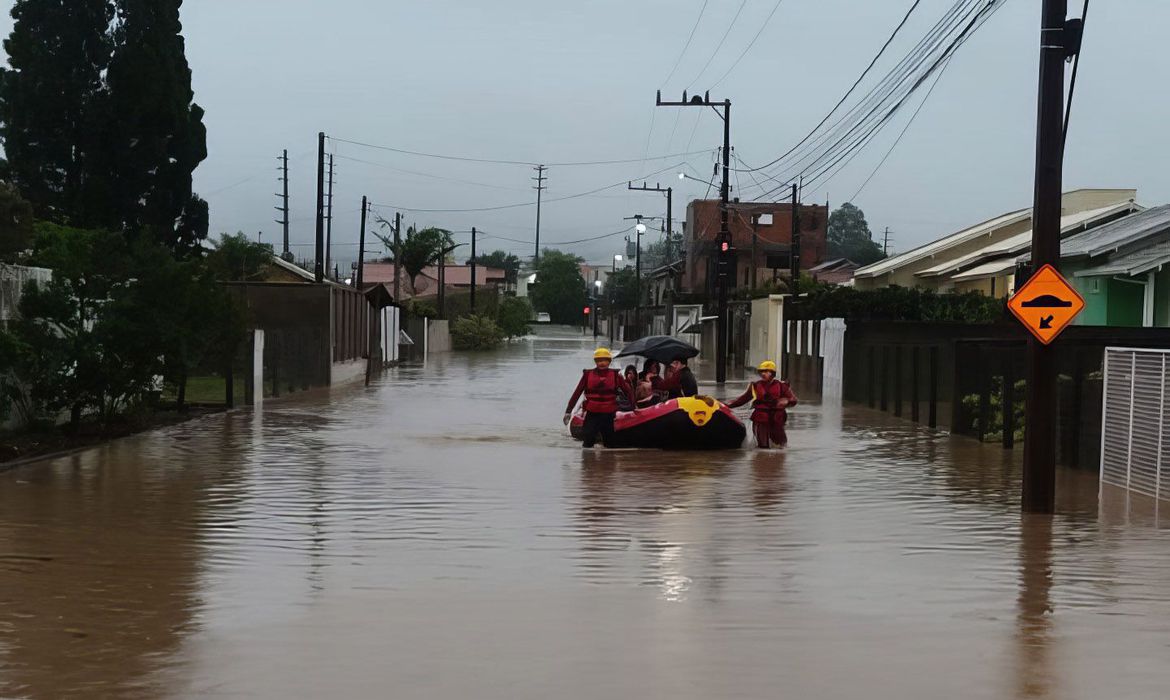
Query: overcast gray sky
[556, 81]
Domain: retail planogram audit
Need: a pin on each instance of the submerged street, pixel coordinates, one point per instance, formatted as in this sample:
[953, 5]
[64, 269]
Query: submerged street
[439, 535]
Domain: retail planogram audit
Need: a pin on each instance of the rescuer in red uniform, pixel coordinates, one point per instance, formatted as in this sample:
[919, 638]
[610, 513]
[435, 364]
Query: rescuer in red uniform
[600, 386]
[770, 397]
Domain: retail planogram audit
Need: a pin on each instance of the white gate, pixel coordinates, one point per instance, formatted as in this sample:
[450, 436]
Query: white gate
[1135, 434]
[833, 353]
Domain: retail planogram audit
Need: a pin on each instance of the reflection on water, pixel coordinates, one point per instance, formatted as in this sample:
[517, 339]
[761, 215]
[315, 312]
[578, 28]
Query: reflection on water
[444, 539]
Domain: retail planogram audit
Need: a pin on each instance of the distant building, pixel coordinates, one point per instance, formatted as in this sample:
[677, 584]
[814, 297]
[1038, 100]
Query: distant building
[772, 224]
[838, 271]
[427, 283]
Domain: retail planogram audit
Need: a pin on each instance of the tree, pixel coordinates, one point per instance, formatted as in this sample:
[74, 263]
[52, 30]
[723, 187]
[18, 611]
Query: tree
[501, 260]
[849, 236]
[16, 223]
[475, 333]
[58, 52]
[513, 316]
[238, 258]
[622, 289]
[155, 137]
[418, 250]
[560, 288]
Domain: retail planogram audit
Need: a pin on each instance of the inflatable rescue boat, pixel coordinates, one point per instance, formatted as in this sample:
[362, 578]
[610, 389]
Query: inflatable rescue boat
[696, 423]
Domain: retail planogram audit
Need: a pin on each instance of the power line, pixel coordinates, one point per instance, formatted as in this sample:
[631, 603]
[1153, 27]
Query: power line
[750, 43]
[686, 45]
[422, 174]
[469, 159]
[719, 45]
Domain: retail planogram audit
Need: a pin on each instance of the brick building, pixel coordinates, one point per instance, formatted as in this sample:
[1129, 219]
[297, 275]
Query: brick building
[774, 245]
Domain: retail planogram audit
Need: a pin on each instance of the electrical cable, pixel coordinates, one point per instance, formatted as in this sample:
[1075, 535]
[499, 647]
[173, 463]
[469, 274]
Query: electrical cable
[1072, 86]
[719, 45]
[468, 159]
[750, 44]
[688, 44]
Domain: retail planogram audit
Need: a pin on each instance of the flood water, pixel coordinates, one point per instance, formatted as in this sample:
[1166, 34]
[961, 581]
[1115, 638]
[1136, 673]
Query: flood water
[438, 535]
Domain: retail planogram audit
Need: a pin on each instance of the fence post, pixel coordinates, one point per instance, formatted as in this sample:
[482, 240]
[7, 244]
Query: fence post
[932, 420]
[984, 374]
[1008, 402]
[898, 381]
[915, 413]
[885, 378]
[869, 391]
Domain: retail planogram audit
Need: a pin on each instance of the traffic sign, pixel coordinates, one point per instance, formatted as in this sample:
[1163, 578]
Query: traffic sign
[1046, 304]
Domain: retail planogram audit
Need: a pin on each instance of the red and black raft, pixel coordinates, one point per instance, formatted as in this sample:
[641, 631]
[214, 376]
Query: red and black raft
[695, 423]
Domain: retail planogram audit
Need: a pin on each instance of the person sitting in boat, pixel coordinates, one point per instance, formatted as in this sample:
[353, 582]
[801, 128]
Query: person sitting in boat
[644, 392]
[631, 377]
[679, 381]
[600, 386]
[770, 398]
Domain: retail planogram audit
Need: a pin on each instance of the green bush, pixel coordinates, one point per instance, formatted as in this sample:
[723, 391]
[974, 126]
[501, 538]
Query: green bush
[475, 333]
[513, 316]
[896, 303]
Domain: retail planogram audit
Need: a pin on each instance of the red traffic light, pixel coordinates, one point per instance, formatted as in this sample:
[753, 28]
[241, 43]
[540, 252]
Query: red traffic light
[586, 310]
[725, 247]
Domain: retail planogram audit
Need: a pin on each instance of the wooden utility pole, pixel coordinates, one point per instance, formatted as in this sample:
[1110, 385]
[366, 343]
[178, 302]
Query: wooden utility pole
[319, 266]
[329, 218]
[1039, 483]
[794, 246]
[472, 269]
[397, 257]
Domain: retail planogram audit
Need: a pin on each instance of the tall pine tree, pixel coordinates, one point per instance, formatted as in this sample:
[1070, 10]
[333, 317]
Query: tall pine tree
[57, 51]
[156, 136]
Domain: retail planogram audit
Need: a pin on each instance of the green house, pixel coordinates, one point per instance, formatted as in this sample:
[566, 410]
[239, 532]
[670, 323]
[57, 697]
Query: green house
[1122, 269]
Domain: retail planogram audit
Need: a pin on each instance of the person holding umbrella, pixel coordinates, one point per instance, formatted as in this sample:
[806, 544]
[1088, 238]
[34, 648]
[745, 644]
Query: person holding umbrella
[600, 386]
[770, 399]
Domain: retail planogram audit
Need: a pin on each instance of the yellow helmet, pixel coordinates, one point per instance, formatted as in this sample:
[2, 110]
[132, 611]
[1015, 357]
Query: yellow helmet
[767, 366]
[602, 354]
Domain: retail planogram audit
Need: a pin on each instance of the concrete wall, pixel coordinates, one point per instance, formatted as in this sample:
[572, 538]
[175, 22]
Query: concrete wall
[438, 337]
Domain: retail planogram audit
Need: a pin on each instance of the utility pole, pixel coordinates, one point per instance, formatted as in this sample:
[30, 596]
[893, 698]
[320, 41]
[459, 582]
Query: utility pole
[669, 191]
[727, 253]
[1056, 45]
[472, 269]
[540, 188]
[329, 218]
[397, 257]
[794, 255]
[755, 248]
[362, 245]
[886, 242]
[283, 209]
[319, 267]
[639, 229]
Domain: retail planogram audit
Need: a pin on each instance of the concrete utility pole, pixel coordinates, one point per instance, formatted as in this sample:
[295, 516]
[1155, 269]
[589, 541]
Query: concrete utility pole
[397, 257]
[319, 266]
[283, 209]
[472, 269]
[362, 245]
[755, 248]
[669, 191]
[794, 246]
[540, 188]
[725, 265]
[329, 218]
[886, 242]
[1058, 41]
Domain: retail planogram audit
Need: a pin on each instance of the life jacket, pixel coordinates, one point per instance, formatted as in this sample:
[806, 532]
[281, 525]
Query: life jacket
[766, 395]
[601, 391]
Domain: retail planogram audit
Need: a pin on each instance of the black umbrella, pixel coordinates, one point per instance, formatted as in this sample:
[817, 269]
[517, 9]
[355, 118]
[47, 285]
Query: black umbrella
[661, 348]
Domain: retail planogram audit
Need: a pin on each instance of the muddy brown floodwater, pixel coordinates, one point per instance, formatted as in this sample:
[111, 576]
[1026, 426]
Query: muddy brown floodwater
[438, 535]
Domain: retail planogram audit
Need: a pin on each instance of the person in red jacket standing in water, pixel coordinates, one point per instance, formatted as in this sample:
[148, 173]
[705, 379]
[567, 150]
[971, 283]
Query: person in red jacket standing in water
[770, 398]
[600, 386]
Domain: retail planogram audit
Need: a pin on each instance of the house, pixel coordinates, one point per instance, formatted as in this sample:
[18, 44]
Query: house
[761, 233]
[935, 264]
[838, 271]
[427, 283]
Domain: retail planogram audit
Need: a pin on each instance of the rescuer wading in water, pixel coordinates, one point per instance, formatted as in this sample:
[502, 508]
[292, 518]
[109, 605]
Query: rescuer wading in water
[600, 386]
[770, 398]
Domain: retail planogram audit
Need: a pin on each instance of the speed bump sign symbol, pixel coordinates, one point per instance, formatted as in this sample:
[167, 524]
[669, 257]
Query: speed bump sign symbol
[1046, 304]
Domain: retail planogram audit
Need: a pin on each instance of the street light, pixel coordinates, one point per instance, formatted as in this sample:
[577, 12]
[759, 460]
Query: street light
[684, 176]
[616, 259]
[640, 228]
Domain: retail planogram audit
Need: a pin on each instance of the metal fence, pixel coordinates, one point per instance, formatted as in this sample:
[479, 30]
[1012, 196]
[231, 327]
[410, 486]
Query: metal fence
[1135, 422]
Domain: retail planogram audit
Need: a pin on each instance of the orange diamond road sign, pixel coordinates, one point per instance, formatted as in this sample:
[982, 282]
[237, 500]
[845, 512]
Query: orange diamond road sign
[1046, 304]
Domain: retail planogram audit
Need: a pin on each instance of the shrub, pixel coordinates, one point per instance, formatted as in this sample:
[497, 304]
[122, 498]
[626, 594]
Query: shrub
[475, 333]
[513, 316]
[900, 304]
